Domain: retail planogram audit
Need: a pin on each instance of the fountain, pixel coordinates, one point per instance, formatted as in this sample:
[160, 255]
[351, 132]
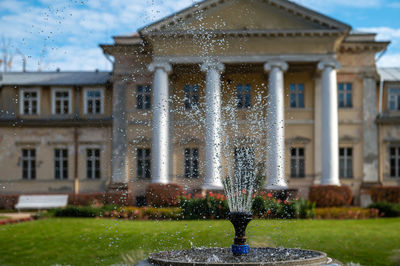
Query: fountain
[240, 185]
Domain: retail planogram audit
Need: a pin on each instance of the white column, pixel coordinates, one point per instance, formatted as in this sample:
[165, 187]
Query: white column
[160, 141]
[213, 126]
[330, 125]
[118, 164]
[276, 126]
[317, 130]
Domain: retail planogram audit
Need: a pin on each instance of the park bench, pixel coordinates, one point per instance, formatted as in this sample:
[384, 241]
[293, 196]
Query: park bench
[41, 202]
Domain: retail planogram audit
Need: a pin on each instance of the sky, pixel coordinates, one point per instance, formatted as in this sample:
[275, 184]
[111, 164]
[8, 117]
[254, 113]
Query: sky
[66, 34]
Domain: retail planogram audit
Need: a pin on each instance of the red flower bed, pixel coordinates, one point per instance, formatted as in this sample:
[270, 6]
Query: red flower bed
[14, 221]
[330, 196]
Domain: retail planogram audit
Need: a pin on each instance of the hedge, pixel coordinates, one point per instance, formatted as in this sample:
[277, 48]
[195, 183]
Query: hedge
[330, 196]
[163, 195]
[388, 194]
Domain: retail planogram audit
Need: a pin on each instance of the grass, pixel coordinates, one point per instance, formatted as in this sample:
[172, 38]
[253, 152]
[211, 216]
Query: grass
[105, 242]
[3, 217]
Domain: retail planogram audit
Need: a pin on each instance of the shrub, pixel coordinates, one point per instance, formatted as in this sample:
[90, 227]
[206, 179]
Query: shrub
[133, 213]
[120, 198]
[265, 206]
[163, 195]
[330, 196]
[213, 206]
[387, 209]
[305, 209]
[388, 194]
[130, 213]
[345, 213]
[82, 211]
[163, 213]
[259, 209]
[8, 201]
[287, 210]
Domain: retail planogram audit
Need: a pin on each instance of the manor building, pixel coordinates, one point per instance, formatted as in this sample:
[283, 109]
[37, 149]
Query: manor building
[325, 114]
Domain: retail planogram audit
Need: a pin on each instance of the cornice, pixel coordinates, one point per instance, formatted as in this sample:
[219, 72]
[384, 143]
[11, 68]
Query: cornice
[248, 33]
[362, 46]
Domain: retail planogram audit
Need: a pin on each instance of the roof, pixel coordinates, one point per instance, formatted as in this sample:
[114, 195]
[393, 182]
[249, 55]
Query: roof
[55, 78]
[289, 6]
[389, 73]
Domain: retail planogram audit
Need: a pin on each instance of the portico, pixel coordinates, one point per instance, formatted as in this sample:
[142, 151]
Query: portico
[275, 68]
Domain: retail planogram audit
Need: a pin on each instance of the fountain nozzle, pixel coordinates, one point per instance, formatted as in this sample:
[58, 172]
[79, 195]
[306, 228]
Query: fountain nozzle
[240, 220]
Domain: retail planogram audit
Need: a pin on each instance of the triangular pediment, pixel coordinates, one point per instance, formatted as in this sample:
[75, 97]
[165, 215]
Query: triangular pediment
[243, 15]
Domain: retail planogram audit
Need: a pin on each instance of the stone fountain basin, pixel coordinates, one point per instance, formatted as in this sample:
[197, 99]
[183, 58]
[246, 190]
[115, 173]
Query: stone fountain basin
[223, 256]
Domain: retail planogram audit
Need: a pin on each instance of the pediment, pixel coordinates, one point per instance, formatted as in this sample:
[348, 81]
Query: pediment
[245, 15]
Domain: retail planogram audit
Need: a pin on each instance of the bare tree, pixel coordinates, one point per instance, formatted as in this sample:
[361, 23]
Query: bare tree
[7, 56]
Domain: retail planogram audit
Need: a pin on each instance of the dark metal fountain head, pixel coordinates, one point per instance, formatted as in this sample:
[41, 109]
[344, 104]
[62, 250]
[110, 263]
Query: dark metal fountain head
[240, 220]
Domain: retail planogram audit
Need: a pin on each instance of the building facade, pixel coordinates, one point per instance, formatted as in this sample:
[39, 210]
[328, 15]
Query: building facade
[324, 113]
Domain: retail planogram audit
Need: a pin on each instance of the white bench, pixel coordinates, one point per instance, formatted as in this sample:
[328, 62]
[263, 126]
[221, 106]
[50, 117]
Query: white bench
[41, 202]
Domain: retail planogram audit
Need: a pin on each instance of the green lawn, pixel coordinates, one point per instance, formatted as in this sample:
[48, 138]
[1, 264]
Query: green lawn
[100, 241]
[3, 217]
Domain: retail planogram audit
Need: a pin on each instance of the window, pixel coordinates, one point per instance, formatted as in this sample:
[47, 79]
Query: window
[28, 163]
[61, 101]
[297, 166]
[143, 97]
[94, 101]
[30, 101]
[345, 95]
[191, 96]
[243, 96]
[297, 95]
[143, 164]
[394, 99]
[93, 163]
[346, 162]
[191, 163]
[394, 162]
[244, 163]
[61, 163]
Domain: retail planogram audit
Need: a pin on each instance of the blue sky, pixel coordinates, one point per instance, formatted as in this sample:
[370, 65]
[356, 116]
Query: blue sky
[65, 34]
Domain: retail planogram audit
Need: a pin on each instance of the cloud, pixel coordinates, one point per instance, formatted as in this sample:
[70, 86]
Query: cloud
[390, 60]
[328, 5]
[68, 58]
[384, 33]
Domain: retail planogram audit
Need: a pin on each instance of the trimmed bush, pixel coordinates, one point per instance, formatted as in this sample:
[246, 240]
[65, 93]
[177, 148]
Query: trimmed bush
[345, 213]
[82, 211]
[388, 194]
[330, 196]
[387, 209]
[120, 198]
[163, 195]
[8, 201]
